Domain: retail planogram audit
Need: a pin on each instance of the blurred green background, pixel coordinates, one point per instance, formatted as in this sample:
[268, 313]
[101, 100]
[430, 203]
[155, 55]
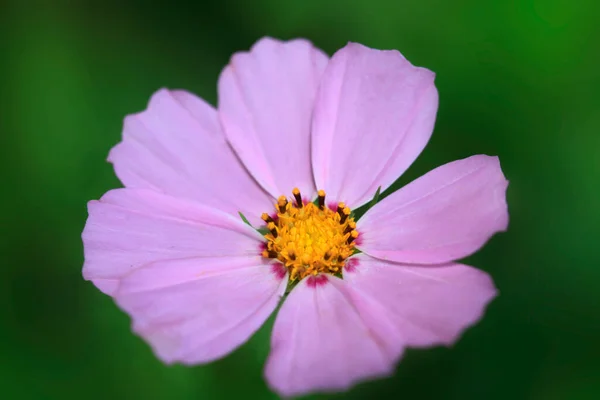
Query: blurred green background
[517, 78]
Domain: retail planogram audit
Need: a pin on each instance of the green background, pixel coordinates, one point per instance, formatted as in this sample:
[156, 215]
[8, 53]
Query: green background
[519, 79]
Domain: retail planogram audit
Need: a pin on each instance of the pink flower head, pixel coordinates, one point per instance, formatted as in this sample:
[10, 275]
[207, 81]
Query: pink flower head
[197, 281]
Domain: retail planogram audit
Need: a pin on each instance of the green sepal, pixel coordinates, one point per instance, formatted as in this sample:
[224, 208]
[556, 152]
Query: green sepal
[263, 231]
[244, 219]
[375, 198]
[291, 285]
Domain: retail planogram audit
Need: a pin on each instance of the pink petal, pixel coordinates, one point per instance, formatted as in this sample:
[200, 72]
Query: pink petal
[128, 228]
[197, 310]
[176, 146]
[447, 214]
[374, 114]
[320, 342]
[266, 100]
[425, 305]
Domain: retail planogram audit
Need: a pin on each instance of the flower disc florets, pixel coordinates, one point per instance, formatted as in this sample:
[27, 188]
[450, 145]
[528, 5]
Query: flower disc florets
[310, 238]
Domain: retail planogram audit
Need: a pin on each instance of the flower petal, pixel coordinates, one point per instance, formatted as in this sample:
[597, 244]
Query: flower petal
[128, 228]
[176, 146]
[266, 100]
[373, 115]
[427, 305]
[447, 214]
[200, 309]
[320, 342]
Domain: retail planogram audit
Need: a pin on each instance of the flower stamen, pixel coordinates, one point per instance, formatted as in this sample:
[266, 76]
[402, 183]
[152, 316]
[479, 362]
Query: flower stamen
[321, 199]
[265, 217]
[272, 228]
[309, 239]
[296, 193]
[281, 204]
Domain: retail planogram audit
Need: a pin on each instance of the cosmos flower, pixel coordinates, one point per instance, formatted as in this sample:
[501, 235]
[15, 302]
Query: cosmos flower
[297, 142]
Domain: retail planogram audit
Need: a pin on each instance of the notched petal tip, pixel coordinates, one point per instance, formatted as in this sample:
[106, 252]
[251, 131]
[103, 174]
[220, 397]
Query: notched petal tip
[268, 40]
[131, 119]
[502, 220]
[269, 43]
[264, 42]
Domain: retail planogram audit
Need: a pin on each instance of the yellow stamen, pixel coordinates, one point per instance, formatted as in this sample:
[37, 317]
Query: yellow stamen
[265, 217]
[310, 239]
[296, 193]
[321, 199]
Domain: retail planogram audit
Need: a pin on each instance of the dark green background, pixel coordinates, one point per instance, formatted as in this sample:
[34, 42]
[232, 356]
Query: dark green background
[520, 79]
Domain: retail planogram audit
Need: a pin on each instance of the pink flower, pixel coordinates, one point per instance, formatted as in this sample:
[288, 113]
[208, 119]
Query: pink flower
[197, 281]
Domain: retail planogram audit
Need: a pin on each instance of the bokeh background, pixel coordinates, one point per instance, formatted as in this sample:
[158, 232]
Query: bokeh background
[517, 78]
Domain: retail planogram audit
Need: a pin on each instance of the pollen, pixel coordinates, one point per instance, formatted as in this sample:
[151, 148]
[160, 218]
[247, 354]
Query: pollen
[309, 238]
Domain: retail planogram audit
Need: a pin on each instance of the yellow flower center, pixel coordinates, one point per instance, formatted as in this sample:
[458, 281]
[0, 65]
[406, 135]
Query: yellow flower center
[310, 239]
